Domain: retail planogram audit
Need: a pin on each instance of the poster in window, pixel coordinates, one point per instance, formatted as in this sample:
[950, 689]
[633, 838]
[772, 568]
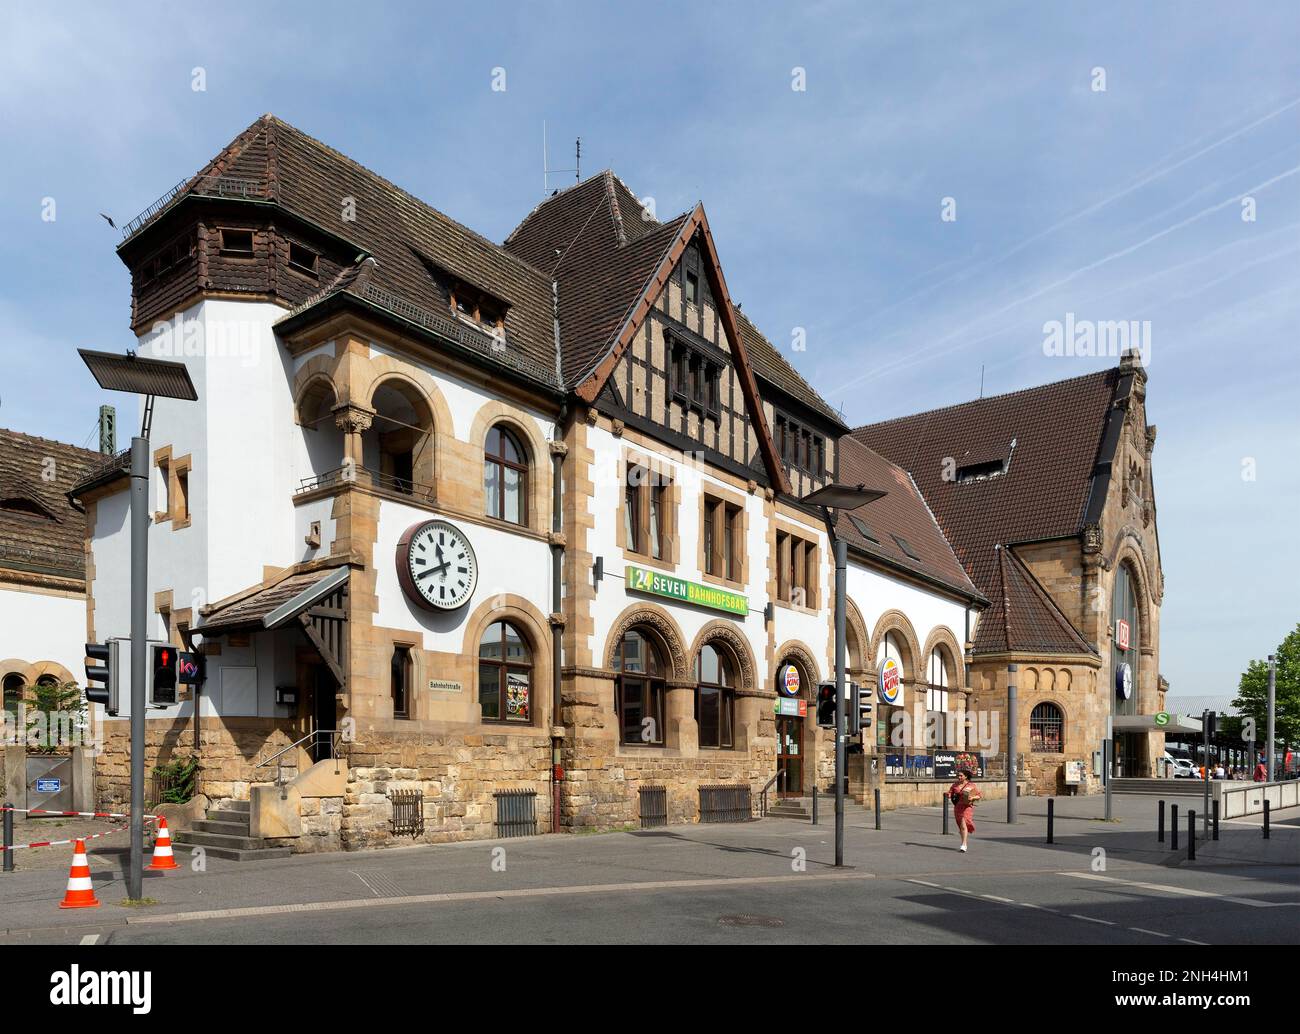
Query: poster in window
[517, 695]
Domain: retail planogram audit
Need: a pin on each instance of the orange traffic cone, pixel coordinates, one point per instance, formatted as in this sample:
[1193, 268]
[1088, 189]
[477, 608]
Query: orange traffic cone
[80, 893]
[162, 848]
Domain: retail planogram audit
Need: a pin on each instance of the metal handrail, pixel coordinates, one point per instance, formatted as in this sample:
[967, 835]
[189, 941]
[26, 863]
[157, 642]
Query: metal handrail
[352, 474]
[762, 796]
[279, 772]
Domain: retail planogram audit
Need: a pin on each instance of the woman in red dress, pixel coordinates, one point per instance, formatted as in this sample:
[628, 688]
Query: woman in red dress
[963, 794]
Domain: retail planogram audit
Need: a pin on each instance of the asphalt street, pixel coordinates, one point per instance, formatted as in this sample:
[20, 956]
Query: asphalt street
[771, 881]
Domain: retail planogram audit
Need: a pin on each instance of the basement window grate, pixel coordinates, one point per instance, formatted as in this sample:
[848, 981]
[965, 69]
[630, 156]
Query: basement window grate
[516, 813]
[408, 813]
[653, 806]
[725, 804]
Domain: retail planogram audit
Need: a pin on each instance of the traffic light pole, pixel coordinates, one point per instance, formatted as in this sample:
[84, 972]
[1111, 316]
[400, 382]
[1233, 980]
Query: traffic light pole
[139, 635]
[1272, 709]
[841, 574]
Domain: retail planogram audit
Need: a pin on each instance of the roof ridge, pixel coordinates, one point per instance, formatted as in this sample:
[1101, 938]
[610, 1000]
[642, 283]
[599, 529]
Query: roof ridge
[280, 123]
[1095, 374]
[50, 441]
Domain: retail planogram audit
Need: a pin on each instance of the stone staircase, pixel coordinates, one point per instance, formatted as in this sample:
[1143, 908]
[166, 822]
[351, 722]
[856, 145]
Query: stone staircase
[801, 808]
[225, 834]
[1164, 787]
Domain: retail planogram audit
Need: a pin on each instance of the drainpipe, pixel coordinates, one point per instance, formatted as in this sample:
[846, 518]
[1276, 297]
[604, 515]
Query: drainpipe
[557, 568]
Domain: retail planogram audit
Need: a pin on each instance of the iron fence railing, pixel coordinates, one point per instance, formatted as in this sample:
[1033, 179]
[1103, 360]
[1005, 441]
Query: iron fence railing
[408, 813]
[725, 804]
[937, 763]
[653, 806]
[219, 186]
[516, 813]
[351, 474]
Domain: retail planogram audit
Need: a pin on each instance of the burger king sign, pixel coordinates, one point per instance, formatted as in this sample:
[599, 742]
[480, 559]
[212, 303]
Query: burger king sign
[891, 682]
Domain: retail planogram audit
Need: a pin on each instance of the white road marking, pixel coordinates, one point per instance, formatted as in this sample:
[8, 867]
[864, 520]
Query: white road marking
[1090, 919]
[994, 897]
[1188, 940]
[90, 938]
[1184, 891]
[1153, 933]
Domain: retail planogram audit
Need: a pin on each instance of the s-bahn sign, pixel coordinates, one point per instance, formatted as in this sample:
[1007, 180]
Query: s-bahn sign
[656, 584]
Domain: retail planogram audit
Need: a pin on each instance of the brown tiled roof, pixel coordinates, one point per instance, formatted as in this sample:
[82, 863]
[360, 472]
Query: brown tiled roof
[900, 512]
[769, 364]
[598, 242]
[276, 161]
[1057, 430]
[1022, 616]
[40, 529]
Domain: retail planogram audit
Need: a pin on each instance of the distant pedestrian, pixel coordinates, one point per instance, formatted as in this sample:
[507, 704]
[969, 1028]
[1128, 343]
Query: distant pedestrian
[1218, 771]
[1261, 773]
[964, 794]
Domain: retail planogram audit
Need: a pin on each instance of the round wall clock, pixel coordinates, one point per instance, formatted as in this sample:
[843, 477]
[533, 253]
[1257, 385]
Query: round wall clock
[436, 565]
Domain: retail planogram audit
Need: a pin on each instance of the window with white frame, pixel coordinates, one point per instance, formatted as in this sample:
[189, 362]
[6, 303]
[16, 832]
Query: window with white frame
[936, 704]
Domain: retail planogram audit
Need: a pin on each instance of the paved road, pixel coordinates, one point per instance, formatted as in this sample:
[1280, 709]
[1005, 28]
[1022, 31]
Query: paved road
[763, 882]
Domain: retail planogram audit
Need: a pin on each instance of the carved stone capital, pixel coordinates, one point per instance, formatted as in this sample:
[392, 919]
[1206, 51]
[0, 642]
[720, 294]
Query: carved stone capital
[1092, 538]
[351, 419]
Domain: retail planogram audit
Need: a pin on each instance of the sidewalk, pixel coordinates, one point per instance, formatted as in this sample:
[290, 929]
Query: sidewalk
[910, 844]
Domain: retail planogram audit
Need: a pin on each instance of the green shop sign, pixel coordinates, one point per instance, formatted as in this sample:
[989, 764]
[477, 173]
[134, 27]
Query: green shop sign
[641, 580]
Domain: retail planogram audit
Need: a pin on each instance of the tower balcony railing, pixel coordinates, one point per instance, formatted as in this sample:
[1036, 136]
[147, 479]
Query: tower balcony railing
[351, 474]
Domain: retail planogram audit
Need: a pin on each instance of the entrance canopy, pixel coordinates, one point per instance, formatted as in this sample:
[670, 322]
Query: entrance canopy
[1178, 723]
[315, 601]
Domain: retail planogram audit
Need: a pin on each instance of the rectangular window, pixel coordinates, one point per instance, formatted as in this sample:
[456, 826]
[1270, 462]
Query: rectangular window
[400, 679]
[692, 288]
[732, 546]
[302, 259]
[639, 699]
[182, 496]
[237, 243]
[655, 526]
[164, 507]
[711, 508]
[632, 518]
[796, 570]
[647, 513]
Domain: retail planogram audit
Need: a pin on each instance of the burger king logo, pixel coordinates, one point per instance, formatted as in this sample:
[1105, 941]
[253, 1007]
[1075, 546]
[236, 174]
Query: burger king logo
[891, 683]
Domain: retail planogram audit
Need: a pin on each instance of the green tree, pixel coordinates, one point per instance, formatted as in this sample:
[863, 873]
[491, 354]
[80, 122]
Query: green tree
[56, 711]
[1252, 693]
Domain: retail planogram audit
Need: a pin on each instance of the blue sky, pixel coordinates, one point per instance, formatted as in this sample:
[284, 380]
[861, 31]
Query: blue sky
[1122, 204]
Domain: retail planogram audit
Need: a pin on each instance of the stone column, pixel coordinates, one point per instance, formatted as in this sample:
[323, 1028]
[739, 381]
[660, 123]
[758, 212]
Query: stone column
[353, 421]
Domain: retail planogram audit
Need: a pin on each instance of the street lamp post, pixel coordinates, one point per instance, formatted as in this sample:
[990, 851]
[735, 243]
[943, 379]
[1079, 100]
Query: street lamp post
[840, 497]
[151, 378]
[1272, 707]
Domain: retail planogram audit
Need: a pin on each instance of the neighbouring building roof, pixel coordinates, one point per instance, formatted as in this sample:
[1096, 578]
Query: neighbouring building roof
[40, 529]
[1045, 446]
[875, 530]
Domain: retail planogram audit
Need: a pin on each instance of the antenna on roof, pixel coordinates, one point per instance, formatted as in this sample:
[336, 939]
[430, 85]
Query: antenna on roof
[547, 172]
[981, 380]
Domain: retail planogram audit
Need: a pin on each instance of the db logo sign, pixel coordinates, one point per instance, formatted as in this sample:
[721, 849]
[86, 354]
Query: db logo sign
[1121, 633]
[891, 686]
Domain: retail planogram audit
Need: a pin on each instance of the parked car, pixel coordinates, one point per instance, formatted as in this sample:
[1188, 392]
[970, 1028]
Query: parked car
[1184, 769]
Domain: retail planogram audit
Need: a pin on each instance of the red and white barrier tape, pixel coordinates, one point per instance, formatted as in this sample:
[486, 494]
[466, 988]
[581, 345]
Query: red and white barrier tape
[71, 840]
[69, 814]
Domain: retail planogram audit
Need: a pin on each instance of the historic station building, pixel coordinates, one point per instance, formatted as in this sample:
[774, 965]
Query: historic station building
[520, 527]
[1047, 497]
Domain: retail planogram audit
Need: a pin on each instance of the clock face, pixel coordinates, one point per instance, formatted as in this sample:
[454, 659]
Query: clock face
[436, 565]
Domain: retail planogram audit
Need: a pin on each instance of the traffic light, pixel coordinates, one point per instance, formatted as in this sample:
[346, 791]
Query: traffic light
[100, 668]
[162, 688]
[192, 668]
[1211, 723]
[864, 708]
[826, 705]
[853, 712]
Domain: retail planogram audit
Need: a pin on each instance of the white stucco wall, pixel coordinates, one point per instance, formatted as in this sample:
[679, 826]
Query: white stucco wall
[36, 627]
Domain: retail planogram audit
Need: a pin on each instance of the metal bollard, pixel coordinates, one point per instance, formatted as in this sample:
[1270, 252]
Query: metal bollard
[9, 839]
[877, 802]
[1173, 827]
[1160, 822]
[814, 804]
[945, 814]
[1191, 836]
[1265, 818]
[1214, 811]
[1051, 815]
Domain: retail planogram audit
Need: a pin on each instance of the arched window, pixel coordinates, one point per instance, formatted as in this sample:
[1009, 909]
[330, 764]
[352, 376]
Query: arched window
[505, 674]
[891, 649]
[14, 689]
[715, 696]
[505, 477]
[639, 689]
[1046, 729]
[936, 704]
